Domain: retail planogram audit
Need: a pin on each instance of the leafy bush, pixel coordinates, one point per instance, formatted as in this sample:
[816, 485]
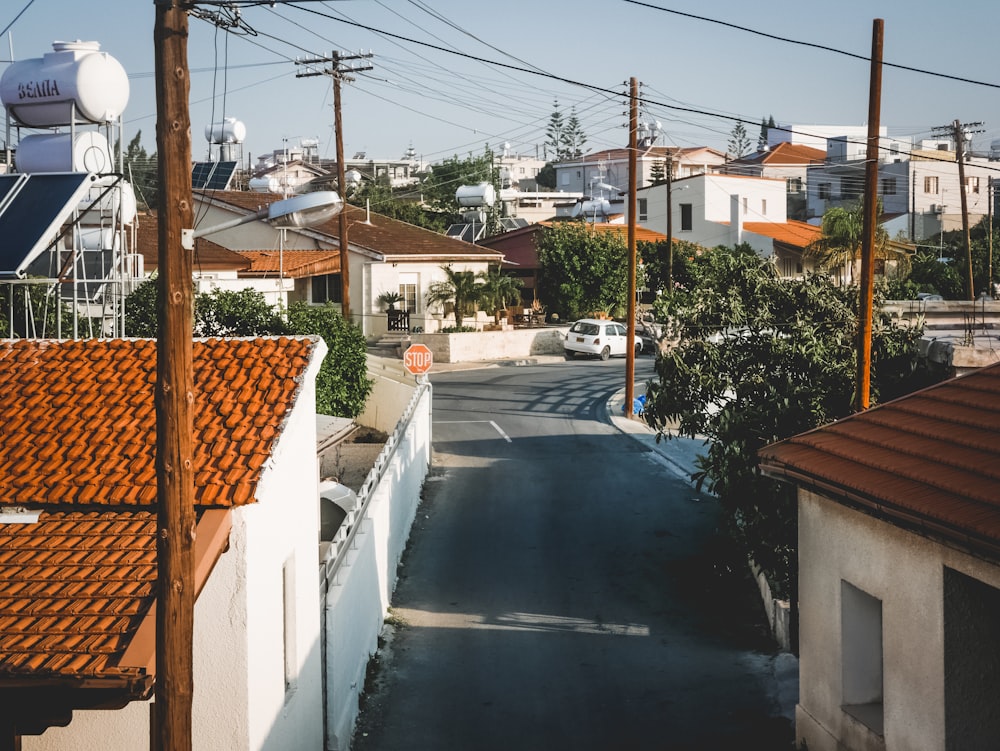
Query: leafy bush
[342, 385]
[457, 329]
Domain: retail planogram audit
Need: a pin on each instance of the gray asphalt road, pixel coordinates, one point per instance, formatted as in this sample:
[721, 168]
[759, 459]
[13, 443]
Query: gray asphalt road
[563, 589]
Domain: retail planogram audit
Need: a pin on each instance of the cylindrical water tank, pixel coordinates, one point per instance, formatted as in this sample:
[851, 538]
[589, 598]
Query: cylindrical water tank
[98, 238]
[43, 92]
[119, 198]
[59, 152]
[475, 195]
[599, 207]
[353, 177]
[230, 130]
[265, 185]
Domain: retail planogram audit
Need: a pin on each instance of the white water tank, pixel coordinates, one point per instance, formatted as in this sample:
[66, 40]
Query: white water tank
[265, 185]
[482, 194]
[118, 202]
[230, 130]
[76, 78]
[60, 152]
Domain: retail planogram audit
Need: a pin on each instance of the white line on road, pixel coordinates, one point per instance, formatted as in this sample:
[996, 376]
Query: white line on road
[496, 427]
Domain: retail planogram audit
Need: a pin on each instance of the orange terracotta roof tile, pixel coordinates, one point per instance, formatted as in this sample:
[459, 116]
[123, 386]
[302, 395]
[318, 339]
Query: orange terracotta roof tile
[384, 238]
[930, 459]
[293, 263]
[79, 426]
[796, 234]
[74, 587]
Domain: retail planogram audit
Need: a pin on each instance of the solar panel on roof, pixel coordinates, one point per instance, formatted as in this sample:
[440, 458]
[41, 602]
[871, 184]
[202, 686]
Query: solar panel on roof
[33, 209]
[456, 230]
[212, 175]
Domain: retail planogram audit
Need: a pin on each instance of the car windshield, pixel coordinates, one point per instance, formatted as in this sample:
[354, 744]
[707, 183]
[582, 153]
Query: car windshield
[587, 329]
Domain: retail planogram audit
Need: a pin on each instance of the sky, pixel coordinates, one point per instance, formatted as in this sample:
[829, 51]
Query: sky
[700, 66]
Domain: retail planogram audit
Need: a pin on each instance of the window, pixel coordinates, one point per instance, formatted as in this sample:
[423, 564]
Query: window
[825, 191]
[763, 207]
[564, 178]
[643, 206]
[972, 185]
[744, 206]
[687, 217]
[888, 186]
[794, 185]
[288, 616]
[408, 285]
[861, 656]
[326, 288]
[931, 184]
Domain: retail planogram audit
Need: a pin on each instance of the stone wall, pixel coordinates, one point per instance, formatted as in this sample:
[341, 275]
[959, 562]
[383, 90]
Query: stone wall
[493, 345]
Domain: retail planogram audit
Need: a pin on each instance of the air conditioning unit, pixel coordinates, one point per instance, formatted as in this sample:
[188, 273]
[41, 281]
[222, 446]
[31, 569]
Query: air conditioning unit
[937, 208]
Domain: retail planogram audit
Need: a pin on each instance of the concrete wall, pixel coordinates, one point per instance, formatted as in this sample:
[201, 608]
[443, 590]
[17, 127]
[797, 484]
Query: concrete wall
[392, 393]
[905, 572]
[493, 345]
[358, 572]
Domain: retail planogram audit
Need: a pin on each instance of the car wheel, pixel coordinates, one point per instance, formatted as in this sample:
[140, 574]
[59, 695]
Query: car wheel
[606, 353]
[568, 354]
[638, 349]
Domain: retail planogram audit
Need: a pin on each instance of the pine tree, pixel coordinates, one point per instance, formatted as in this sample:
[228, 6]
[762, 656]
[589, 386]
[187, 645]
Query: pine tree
[555, 133]
[658, 172]
[739, 141]
[765, 125]
[573, 137]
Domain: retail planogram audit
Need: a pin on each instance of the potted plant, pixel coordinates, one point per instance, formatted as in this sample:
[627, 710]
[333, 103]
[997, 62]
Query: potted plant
[389, 300]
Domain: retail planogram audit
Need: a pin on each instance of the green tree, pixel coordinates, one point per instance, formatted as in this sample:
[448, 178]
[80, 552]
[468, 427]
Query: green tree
[34, 311]
[460, 289]
[555, 133]
[546, 177]
[573, 137]
[582, 271]
[403, 205]
[142, 172]
[760, 359]
[765, 126]
[839, 247]
[342, 384]
[739, 141]
[497, 290]
[658, 172]
[242, 312]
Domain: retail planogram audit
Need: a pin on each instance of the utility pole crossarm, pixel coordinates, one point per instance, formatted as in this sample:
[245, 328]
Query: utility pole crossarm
[336, 70]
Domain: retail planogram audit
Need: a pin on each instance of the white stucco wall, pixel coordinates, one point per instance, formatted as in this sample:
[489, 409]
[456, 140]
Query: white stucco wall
[906, 572]
[239, 700]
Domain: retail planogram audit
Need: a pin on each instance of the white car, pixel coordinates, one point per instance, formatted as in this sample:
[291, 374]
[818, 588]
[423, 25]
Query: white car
[590, 336]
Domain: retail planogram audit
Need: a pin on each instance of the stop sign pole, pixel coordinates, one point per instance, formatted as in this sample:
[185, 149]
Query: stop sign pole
[417, 359]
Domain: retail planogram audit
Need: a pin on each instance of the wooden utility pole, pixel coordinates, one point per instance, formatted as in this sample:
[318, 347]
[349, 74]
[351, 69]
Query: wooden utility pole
[633, 125]
[337, 72]
[174, 385]
[863, 387]
[958, 131]
[989, 237]
[670, 225]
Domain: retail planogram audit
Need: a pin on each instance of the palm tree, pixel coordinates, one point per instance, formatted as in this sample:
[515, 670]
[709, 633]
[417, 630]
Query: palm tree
[497, 290]
[839, 247]
[459, 288]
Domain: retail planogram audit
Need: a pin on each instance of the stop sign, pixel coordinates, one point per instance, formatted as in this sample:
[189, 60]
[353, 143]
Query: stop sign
[418, 359]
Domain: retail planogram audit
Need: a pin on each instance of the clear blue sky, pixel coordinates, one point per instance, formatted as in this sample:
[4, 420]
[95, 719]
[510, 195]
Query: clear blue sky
[446, 104]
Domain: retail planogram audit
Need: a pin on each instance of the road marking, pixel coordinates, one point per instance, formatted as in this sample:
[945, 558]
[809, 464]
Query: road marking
[496, 427]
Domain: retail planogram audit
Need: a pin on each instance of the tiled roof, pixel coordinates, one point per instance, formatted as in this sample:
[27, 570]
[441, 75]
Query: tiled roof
[796, 234]
[207, 257]
[78, 425]
[641, 233]
[295, 263]
[785, 154]
[74, 588]
[929, 460]
[386, 239]
[77, 442]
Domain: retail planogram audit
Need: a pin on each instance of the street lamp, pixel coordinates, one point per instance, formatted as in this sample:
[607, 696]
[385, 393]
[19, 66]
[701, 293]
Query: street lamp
[306, 210]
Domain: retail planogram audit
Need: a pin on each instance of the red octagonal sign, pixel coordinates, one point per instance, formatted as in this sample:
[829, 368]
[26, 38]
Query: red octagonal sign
[418, 359]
